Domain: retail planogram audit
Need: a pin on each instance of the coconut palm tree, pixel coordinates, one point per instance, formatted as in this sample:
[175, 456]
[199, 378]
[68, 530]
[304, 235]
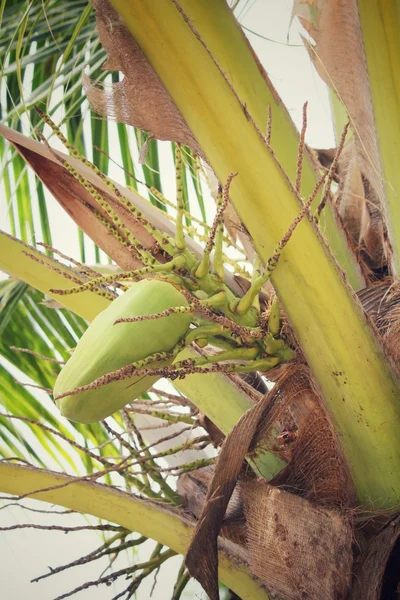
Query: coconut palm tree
[303, 498]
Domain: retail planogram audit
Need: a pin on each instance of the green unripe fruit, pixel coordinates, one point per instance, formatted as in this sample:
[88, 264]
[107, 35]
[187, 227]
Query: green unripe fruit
[105, 347]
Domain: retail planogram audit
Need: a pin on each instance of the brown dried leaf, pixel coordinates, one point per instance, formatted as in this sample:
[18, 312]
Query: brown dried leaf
[140, 99]
[192, 488]
[80, 205]
[370, 571]
[318, 471]
[382, 303]
[324, 158]
[339, 59]
[351, 199]
[202, 556]
[338, 56]
[300, 552]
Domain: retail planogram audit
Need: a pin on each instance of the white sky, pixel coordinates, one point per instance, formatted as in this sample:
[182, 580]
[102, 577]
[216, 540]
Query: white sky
[26, 554]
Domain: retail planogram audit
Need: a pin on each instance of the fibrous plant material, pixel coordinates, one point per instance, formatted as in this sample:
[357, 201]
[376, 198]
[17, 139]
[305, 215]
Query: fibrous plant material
[377, 569]
[382, 303]
[339, 57]
[192, 490]
[297, 550]
[316, 468]
[140, 99]
[317, 473]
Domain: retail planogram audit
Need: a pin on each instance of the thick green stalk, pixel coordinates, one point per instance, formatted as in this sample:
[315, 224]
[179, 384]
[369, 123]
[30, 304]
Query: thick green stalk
[380, 22]
[151, 519]
[228, 45]
[359, 388]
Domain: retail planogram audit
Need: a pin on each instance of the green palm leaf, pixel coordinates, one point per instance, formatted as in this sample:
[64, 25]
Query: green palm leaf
[27, 324]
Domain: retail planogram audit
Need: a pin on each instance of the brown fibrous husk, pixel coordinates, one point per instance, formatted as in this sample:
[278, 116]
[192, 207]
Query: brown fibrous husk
[299, 551]
[382, 303]
[316, 476]
[338, 56]
[140, 99]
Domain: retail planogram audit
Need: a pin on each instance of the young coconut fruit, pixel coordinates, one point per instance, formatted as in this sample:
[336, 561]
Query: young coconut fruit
[105, 347]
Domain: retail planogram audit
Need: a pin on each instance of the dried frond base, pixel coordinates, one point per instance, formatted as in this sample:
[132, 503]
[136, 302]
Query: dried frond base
[306, 438]
[377, 570]
[382, 303]
[298, 551]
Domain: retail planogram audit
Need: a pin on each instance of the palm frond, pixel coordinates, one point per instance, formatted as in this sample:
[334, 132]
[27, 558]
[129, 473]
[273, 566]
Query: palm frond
[42, 59]
[46, 333]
